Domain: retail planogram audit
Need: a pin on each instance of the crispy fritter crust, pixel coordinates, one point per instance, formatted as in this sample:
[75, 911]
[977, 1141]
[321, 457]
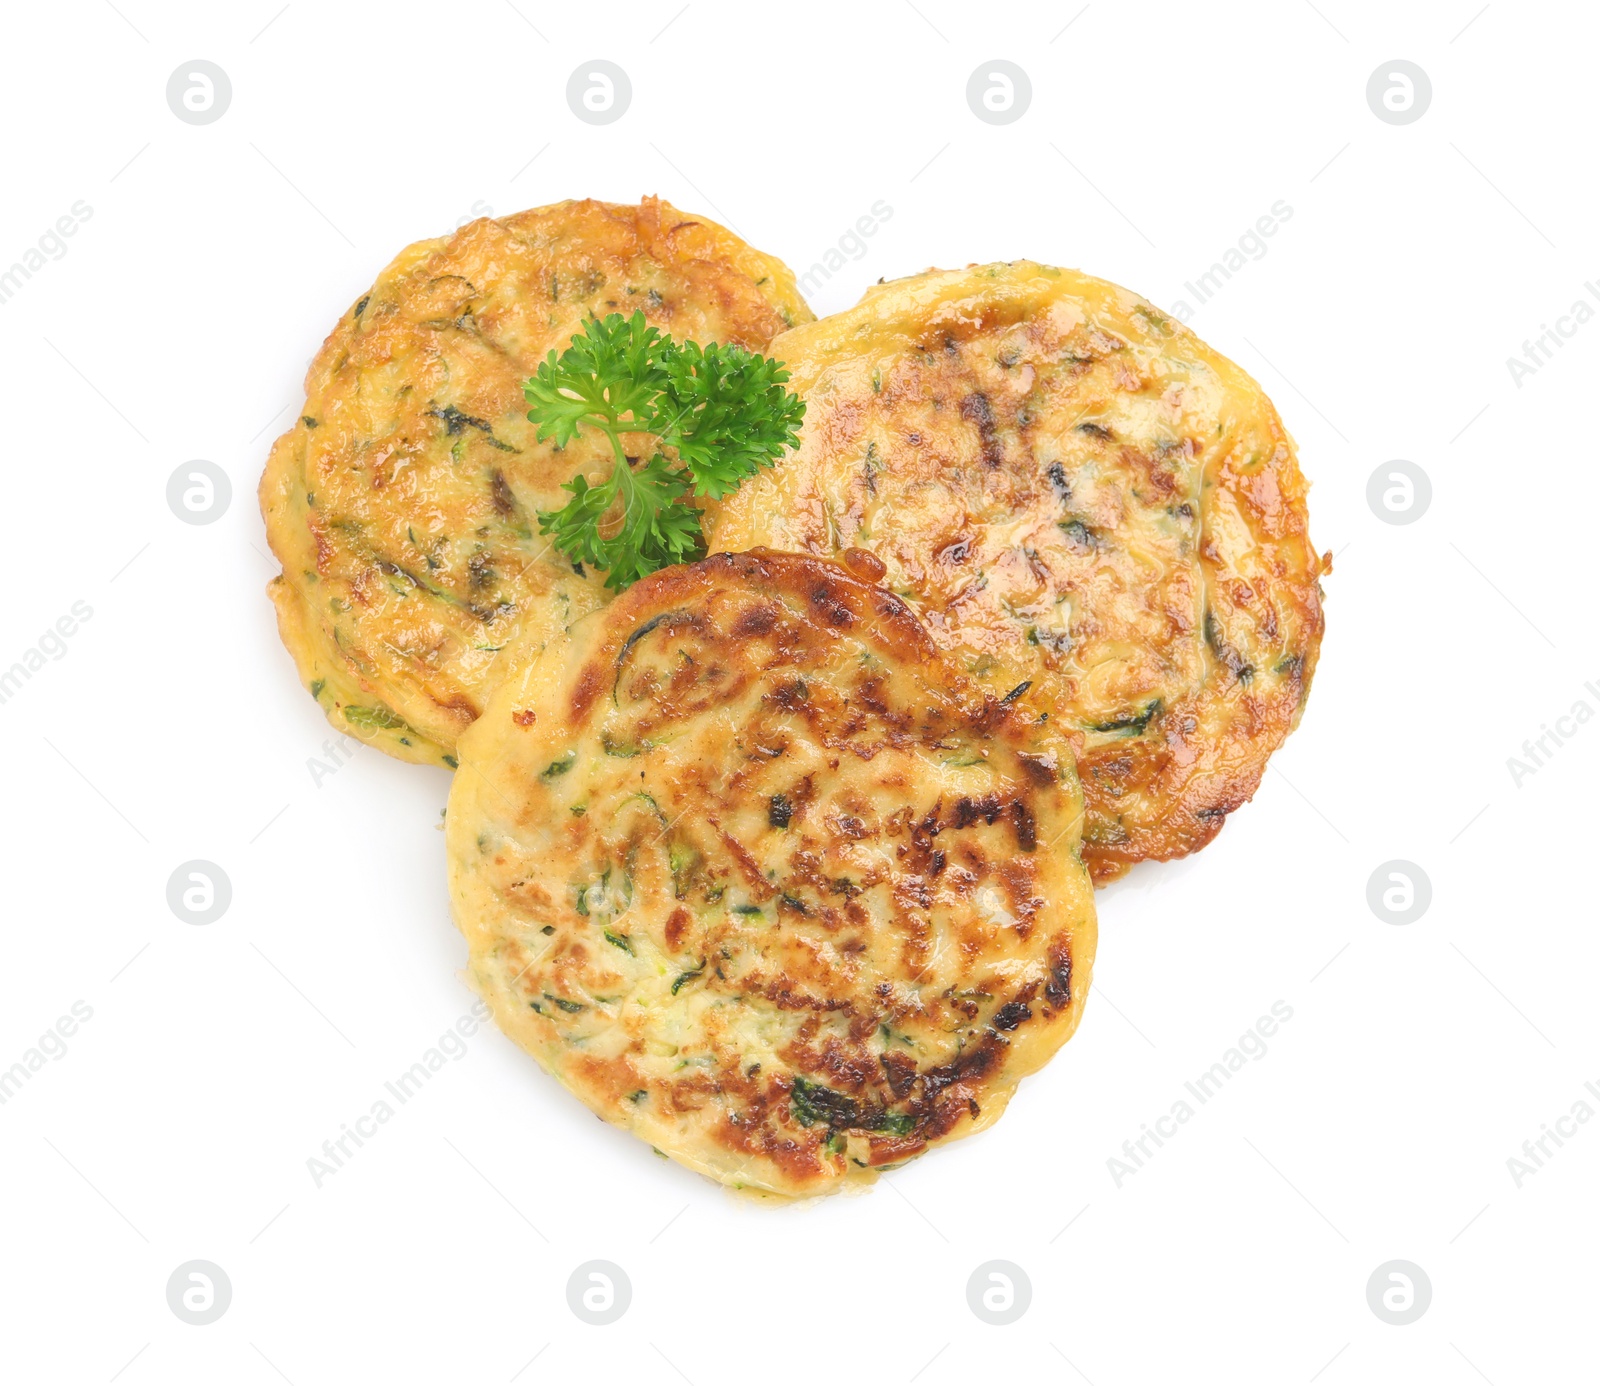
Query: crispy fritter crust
[1073, 490]
[754, 874]
[403, 503]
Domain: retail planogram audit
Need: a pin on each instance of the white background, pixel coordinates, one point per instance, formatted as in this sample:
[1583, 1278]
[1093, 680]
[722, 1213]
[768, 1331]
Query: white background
[178, 1125]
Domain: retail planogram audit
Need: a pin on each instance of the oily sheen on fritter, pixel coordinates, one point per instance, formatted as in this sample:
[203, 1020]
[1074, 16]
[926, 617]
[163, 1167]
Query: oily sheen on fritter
[755, 875]
[403, 502]
[1076, 493]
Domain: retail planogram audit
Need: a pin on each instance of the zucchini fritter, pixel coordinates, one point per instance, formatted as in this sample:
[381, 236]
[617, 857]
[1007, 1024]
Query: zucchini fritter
[746, 867]
[403, 503]
[1072, 490]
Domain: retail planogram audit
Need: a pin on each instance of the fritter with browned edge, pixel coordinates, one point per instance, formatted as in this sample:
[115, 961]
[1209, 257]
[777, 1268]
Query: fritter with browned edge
[1076, 494]
[403, 503]
[759, 878]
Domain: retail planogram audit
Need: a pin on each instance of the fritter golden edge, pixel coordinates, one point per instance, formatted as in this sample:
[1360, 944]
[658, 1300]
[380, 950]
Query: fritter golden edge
[403, 502]
[1074, 492]
[759, 878]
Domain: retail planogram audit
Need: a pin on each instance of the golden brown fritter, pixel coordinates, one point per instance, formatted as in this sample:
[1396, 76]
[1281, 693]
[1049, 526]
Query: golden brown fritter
[1073, 491]
[403, 503]
[747, 868]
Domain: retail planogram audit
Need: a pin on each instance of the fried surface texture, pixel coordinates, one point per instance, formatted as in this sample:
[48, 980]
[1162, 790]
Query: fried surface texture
[755, 875]
[403, 502]
[1073, 491]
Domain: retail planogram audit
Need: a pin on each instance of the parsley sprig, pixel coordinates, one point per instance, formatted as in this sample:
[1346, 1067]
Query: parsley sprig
[718, 414]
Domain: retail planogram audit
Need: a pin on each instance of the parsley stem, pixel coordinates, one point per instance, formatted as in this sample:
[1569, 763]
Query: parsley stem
[614, 428]
[623, 473]
[707, 416]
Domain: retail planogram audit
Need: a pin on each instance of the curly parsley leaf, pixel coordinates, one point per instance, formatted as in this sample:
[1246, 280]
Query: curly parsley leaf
[658, 526]
[724, 411]
[718, 414]
[611, 369]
